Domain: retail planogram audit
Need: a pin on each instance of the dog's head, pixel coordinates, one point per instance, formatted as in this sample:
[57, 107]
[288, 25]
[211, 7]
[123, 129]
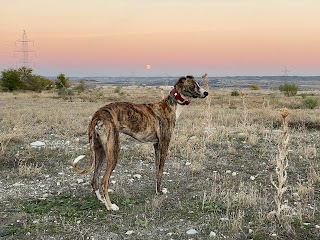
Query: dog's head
[189, 87]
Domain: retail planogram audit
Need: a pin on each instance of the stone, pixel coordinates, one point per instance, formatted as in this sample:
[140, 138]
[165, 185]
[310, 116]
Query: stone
[192, 231]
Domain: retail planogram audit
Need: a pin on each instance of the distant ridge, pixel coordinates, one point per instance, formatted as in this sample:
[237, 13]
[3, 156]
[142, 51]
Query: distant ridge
[265, 82]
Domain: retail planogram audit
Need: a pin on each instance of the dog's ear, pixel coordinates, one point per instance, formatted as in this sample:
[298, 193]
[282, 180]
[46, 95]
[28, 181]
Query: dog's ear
[180, 83]
[182, 79]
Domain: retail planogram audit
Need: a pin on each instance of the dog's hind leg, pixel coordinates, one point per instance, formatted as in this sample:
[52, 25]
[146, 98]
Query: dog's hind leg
[112, 149]
[99, 158]
[157, 162]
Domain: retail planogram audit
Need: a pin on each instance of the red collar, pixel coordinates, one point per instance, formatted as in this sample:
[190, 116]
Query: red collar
[177, 96]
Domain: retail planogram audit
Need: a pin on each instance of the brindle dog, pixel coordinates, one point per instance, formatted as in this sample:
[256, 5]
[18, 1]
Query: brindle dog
[153, 123]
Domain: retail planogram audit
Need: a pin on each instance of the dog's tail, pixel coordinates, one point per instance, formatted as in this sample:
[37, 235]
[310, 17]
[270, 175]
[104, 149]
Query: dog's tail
[92, 153]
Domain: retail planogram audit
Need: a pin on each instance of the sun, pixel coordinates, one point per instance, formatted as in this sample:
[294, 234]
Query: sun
[148, 66]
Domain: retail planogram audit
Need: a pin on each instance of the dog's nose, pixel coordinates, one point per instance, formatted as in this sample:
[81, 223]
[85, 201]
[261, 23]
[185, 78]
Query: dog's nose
[205, 94]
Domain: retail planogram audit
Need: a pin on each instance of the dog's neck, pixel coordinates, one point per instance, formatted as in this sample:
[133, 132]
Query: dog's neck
[178, 100]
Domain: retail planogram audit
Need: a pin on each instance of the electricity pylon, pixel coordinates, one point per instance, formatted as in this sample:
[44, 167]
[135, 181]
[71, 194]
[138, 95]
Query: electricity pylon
[24, 51]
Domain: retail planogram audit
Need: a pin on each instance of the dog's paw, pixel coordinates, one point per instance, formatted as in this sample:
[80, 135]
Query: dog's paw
[114, 207]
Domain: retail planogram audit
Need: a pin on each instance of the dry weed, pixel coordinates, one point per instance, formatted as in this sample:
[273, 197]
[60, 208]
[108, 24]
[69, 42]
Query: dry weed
[29, 170]
[281, 165]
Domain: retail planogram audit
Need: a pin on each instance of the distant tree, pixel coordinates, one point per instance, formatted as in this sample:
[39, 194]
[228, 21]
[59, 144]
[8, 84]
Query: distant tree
[26, 73]
[289, 89]
[23, 79]
[11, 80]
[62, 82]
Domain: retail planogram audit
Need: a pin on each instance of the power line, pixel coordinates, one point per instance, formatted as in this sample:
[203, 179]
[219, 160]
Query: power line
[24, 51]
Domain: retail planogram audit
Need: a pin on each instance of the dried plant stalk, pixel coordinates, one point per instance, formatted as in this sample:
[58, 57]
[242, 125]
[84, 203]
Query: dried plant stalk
[245, 109]
[281, 166]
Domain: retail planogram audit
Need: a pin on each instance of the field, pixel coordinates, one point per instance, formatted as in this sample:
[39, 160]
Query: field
[218, 175]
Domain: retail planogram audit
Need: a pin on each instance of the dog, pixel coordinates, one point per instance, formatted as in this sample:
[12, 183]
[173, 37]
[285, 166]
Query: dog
[151, 123]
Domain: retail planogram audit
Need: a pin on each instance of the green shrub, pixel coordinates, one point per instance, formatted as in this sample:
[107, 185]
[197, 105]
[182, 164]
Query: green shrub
[81, 86]
[62, 81]
[304, 95]
[65, 92]
[11, 80]
[235, 93]
[23, 79]
[118, 89]
[311, 102]
[254, 87]
[289, 89]
[38, 83]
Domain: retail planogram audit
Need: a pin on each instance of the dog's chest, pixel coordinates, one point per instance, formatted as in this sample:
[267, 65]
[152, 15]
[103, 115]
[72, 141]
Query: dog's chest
[178, 111]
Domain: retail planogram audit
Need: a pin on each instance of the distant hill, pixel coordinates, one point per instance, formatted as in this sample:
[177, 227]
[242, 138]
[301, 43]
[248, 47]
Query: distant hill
[265, 82]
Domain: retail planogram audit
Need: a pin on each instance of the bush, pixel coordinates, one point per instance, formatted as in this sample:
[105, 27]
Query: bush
[62, 81]
[65, 92]
[311, 102]
[23, 79]
[254, 87]
[235, 93]
[11, 80]
[38, 83]
[289, 89]
[304, 95]
[81, 86]
[117, 89]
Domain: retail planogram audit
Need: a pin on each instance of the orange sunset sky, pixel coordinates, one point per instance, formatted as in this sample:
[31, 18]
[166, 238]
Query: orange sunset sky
[176, 37]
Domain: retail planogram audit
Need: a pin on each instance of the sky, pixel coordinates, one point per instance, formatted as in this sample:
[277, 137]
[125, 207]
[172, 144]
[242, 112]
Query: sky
[175, 37]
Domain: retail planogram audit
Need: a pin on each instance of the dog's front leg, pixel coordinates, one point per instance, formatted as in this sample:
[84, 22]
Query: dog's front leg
[161, 152]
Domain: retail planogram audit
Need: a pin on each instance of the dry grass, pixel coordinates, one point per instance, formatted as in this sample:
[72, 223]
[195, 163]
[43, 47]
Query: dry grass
[217, 173]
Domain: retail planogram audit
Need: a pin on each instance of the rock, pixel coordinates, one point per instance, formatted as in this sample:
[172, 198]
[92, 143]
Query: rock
[37, 144]
[45, 195]
[130, 232]
[164, 190]
[212, 234]
[79, 180]
[18, 184]
[192, 231]
[137, 176]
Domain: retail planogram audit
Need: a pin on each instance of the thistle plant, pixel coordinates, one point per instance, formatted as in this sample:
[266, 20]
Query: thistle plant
[281, 166]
